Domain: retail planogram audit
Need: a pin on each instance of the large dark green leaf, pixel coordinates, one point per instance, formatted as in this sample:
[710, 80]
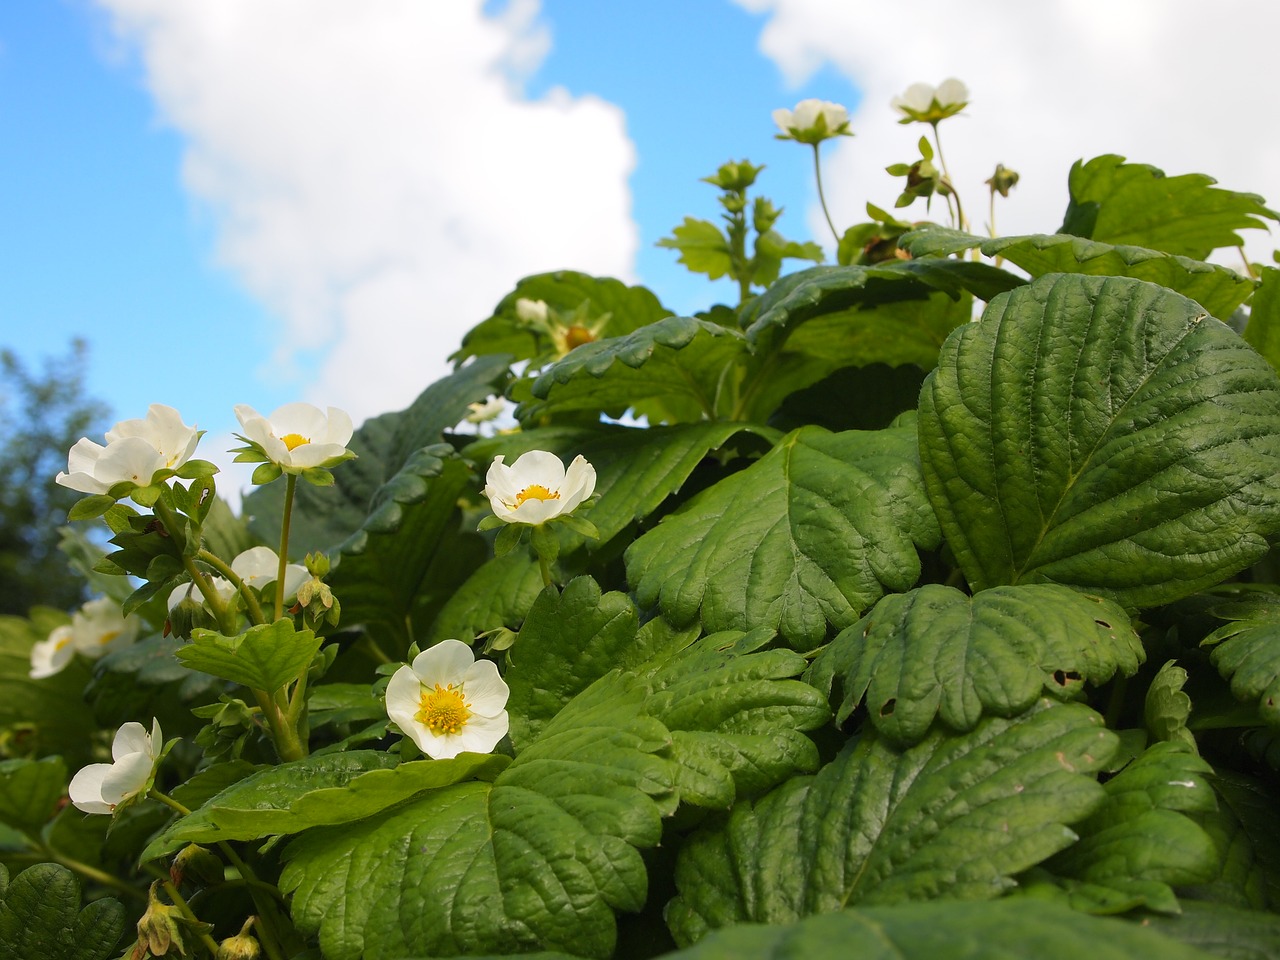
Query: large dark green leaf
[936, 652]
[1219, 930]
[1216, 288]
[1247, 846]
[1134, 203]
[804, 539]
[544, 854]
[956, 816]
[41, 919]
[627, 309]
[1263, 329]
[1103, 433]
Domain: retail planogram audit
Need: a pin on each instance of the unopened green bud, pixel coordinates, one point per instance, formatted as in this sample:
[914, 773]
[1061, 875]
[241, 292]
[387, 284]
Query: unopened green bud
[734, 176]
[240, 947]
[198, 865]
[317, 564]
[1003, 180]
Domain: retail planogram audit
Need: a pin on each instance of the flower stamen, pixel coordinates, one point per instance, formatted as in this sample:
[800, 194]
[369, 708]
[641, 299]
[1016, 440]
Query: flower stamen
[443, 710]
[536, 491]
[294, 440]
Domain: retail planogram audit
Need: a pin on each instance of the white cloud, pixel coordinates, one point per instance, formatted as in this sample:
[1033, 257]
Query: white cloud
[1170, 83]
[376, 174]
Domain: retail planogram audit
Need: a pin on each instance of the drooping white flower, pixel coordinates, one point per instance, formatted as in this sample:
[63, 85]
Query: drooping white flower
[925, 103]
[99, 626]
[448, 702]
[136, 450]
[485, 410]
[537, 487]
[189, 591]
[51, 655]
[812, 121]
[298, 436]
[259, 566]
[101, 787]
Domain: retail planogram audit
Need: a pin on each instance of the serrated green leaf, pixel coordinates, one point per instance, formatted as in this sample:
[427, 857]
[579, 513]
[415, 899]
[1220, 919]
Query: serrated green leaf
[671, 371]
[936, 652]
[1000, 930]
[1167, 707]
[626, 308]
[40, 917]
[568, 641]
[956, 816]
[1262, 332]
[1247, 653]
[499, 593]
[317, 791]
[1216, 288]
[1140, 843]
[1247, 847]
[804, 539]
[1105, 434]
[1219, 931]
[1118, 202]
[703, 247]
[266, 657]
[30, 791]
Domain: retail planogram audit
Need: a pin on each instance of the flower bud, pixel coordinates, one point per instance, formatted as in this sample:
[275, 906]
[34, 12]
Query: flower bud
[198, 865]
[158, 930]
[240, 947]
[1003, 180]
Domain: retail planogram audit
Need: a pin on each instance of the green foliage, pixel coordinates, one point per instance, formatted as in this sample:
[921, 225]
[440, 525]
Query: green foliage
[1133, 203]
[265, 657]
[1103, 433]
[40, 916]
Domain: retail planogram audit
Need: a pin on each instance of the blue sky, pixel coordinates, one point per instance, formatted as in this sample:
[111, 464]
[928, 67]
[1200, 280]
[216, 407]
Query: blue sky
[238, 202]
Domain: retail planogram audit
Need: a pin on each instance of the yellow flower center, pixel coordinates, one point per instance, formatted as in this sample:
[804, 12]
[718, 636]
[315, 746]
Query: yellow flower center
[61, 642]
[443, 710]
[536, 491]
[107, 637]
[292, 440]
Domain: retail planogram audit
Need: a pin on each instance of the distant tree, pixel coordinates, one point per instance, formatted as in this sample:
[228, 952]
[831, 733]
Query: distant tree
[41, 417]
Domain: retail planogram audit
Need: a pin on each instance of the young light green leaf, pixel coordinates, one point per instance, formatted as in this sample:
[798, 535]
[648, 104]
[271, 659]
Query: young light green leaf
[1167, 707]
[1216, 288]
[1118, 202]
[40, 916]
[1102, 433]
[936, 652]
[265, 657]
[955, 816]
[703, 247]
[806, 538]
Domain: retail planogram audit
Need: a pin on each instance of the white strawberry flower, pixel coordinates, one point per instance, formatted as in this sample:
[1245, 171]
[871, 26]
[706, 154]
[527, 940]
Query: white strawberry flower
[259, 566]
[140, 452]
[537, 487]
[51, 655]
[99, 626]
[812, 121]
[101, 787]
[297, 436]
[448, 703]
[925, 103]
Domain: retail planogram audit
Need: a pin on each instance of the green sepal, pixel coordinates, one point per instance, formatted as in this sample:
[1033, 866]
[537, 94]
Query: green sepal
[146, 496]
[579, 525]
[196, 470]
[143, 594]
[545, 543]
[318, 477]
[508, 538]
[491, 522]
[117, 517]
[265, 473]
[90, 507]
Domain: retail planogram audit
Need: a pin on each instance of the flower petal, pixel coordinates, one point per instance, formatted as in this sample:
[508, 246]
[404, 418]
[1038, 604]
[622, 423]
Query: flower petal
[256, 566]
[445, 663]
[404, 696]
[130, 739]
[127, 777]
[85, 789]
[579, 483]
[486, 692]
[480, 734]
[540, 467]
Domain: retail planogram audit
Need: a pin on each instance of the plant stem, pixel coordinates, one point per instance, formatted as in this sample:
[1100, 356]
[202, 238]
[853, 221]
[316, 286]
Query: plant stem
[817, 175]
[1248, 267]
[546, 570]
[250, 598]
[86, 870]
[180, 902]
[942, 161]
[220, 610]
[290, 485]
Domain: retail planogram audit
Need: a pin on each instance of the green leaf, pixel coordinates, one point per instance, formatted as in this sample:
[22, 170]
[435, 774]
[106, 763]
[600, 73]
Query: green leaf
[30, 791]
[1262, 332]
[1247, 846]
[87, 508]
[671, 371]
[544, 855]
[498, 594]
[40, 917]
[806, 538]
[936, 652]
[1140, 842]
[1247, 653]
[1219, 930]
[1216, 288]
[265, 657]
[317, 791]
[625, 309]
[942, 930]
[1133, 203]
[956, 816]
[703, 247]
[1166, 708]
[568, 641]
[1105, 434]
